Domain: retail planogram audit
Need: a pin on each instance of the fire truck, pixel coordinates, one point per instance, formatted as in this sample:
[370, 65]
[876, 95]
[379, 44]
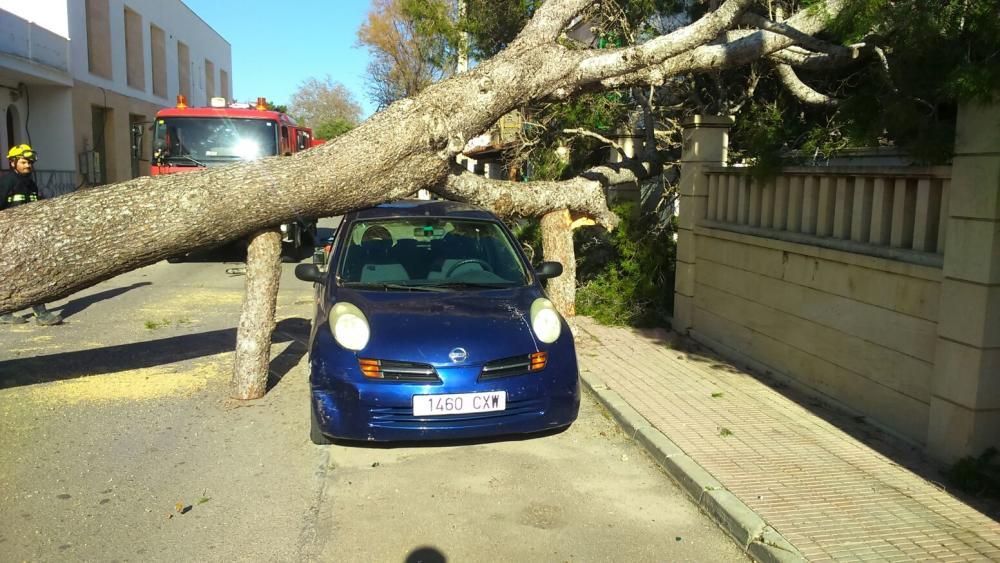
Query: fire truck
[190, 138]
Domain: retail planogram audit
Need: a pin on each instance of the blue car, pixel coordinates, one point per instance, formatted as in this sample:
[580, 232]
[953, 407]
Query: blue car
[432, 325]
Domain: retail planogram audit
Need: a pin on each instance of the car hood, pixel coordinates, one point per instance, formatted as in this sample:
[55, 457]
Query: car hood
[426, 327]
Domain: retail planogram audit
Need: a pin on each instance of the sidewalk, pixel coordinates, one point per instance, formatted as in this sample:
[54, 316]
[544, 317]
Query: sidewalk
[787, 476]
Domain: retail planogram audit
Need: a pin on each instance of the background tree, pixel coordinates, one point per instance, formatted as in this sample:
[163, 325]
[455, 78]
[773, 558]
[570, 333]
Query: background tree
[407, 51]
[326, 106]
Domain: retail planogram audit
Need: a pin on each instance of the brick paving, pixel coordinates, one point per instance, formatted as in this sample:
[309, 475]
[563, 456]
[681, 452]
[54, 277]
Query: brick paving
[834, 486]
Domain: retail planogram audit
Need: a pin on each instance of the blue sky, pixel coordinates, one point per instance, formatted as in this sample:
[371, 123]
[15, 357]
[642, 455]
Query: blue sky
[277, 45]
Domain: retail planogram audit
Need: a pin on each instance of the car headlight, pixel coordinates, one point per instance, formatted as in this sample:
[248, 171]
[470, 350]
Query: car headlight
[349, 326]
[545, 320]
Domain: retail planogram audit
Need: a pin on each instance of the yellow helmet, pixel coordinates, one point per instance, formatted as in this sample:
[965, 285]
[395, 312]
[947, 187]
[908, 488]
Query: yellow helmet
[21, 151]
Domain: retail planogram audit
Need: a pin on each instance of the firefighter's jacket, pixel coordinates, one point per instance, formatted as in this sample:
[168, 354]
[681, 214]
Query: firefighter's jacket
[17, 189]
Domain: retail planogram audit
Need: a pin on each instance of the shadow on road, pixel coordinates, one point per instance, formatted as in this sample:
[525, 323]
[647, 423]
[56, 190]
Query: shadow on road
[295, 330]
[150, 353]
[77, 305]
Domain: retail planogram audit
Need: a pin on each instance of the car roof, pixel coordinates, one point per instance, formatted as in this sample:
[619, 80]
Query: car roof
[421, 208]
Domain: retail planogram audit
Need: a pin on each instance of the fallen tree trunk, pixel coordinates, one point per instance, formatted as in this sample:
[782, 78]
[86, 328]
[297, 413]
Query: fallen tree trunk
[53, 248]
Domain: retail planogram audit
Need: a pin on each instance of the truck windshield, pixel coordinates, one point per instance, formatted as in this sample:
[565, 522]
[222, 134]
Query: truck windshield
[193, 141]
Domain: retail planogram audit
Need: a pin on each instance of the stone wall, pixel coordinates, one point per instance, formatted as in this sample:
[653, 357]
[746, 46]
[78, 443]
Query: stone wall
[857, 329]
[876, 288]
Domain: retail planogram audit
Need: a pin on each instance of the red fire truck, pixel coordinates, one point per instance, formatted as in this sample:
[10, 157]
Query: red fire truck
[189, 138]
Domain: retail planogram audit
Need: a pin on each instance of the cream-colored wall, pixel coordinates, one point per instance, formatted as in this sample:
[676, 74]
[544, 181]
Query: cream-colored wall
[858, 329]
[117, 133]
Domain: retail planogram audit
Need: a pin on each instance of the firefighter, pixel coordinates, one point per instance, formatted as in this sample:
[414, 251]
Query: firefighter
[17, 188]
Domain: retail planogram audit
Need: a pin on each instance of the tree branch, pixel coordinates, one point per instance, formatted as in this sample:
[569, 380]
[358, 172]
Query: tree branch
[802, 91]
[604, 63]
[550, 20]
[583, 195]
[800, 38]
[599, 137]
[749, 46]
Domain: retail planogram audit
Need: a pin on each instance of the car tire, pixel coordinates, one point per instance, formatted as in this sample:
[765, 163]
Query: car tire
[315, 434]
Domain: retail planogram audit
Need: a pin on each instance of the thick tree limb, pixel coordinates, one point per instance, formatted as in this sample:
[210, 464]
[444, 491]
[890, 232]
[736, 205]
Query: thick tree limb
[802, 91]
[530, 199]
[604, 63]
[732, 53]
[800, 38]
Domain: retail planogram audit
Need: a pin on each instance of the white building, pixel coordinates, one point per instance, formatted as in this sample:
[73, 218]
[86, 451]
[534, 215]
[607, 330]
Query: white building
[75, 75]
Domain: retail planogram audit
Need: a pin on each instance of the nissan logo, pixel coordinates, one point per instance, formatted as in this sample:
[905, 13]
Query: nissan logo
[458, 355]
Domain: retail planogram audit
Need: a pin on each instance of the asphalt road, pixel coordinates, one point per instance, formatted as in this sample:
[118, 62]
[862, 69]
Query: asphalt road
[118, 442]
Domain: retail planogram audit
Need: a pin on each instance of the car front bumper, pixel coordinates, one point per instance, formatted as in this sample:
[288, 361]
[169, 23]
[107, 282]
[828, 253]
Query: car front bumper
[348, 407]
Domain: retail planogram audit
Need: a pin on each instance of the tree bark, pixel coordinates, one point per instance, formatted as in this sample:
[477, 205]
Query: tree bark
[557, 245]
[253, 337]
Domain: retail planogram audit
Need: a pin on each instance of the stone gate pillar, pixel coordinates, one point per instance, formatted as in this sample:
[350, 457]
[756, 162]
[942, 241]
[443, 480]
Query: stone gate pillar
[706, 143]
[965, 391]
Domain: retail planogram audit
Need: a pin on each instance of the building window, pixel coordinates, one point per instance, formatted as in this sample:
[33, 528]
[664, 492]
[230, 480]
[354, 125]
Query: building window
[184, 70]
[158, 56]
[209, 79]
[98, 38]
[135, 65]
[224, 84]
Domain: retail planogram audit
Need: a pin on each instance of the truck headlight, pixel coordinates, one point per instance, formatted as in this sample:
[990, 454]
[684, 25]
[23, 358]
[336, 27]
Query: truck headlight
[545, 320]
[349, 326]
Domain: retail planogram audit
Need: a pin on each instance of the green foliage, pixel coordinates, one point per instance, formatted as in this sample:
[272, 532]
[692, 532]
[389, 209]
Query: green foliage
[626, 277]
[333, 128]
[434, 27]
[529, 233]
[977, 475]
[939, 53]
[590, 112]
[772, 127]
[493, 24]
[281, 108]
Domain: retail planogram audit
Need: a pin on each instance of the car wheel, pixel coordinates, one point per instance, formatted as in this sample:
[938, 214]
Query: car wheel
[315, 434]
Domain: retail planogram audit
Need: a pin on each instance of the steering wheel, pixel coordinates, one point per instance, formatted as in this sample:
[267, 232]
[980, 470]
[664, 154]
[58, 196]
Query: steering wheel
[485, 265]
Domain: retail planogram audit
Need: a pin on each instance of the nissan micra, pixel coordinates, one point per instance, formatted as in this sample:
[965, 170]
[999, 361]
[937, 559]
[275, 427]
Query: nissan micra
[431, 324]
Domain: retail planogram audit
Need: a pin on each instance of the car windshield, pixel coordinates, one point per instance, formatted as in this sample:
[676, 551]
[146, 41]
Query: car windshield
[193, 141]
[420, 253]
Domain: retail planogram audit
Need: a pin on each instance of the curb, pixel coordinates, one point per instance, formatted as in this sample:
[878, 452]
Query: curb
[758, 540]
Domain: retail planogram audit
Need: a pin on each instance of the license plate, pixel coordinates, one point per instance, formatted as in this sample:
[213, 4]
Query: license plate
[459, 403]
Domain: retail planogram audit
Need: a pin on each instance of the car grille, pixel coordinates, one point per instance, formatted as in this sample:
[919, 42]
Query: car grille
[517, 365]
[402, 417]
[408, 371]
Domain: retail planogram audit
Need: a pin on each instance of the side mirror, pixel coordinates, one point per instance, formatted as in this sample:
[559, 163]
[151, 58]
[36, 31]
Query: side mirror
[309, 273]
[549, 270]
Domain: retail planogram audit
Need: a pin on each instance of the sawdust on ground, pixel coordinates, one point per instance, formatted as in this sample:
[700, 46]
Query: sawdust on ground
[193, 301]
[132, 385]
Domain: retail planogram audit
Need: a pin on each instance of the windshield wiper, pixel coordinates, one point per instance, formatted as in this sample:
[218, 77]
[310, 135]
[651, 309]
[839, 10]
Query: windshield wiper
[188, 157]
[391, 286]
[468, 285]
